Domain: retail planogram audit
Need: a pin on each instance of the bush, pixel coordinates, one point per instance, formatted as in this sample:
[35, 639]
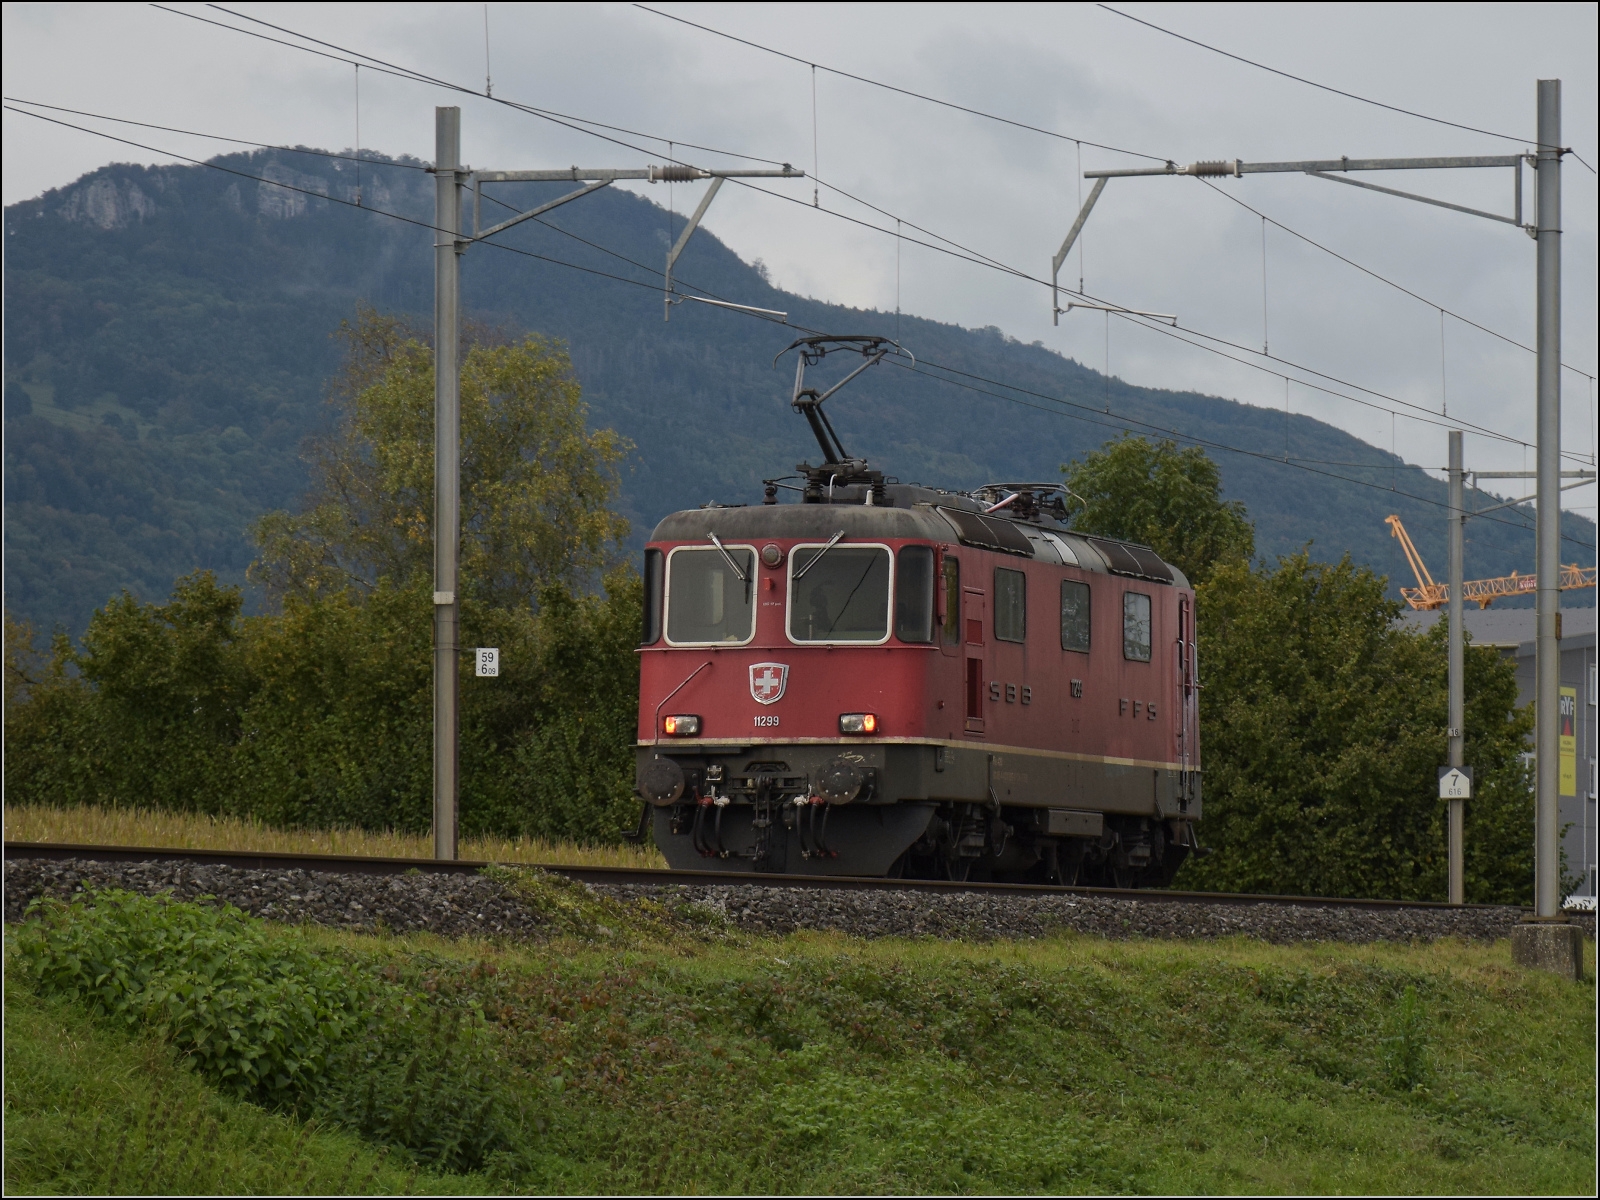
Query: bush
[259, 1015]
[267, 1018]
[1322, 727]
[319, 716]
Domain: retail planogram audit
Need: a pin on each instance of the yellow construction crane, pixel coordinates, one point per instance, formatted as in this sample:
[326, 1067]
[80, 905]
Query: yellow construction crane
[1482, 592]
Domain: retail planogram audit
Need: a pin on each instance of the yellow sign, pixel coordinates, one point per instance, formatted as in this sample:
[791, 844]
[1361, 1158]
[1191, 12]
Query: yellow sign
[1568, 726]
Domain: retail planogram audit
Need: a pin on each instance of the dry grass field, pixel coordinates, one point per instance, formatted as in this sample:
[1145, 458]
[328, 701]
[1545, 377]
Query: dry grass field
[91, 826]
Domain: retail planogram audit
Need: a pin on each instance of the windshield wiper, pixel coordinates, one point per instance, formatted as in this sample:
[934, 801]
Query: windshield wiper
[717, 542]
[832, 542]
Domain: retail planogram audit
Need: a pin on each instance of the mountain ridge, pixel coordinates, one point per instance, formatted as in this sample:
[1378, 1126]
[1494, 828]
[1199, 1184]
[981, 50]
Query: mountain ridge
[167, 334]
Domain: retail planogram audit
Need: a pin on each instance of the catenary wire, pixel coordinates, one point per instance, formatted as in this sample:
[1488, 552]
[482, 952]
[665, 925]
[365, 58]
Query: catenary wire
[1124, 421]
[1223, 447]
[1061, 404]
[428, 225]
[407, 72]
[965, 254]
[217, 137]
[1325, 87]
[487, 95]
[1399, 287]
[1068, 137]
[383, 68]
[566, 119]
[1419, 413]
[816, 66]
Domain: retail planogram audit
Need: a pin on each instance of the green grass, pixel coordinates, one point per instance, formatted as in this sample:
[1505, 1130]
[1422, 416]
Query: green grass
[660, 1053]
[89, 1112]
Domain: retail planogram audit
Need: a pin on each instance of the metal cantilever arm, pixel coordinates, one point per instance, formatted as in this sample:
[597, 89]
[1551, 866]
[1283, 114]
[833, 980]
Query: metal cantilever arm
[1066, 248]
[683, 239]
[477, 199]
[1460, 208]
[1565, 487]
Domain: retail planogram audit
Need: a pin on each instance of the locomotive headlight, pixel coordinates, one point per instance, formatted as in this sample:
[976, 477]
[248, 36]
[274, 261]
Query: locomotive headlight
[858, 722]
[681, 726]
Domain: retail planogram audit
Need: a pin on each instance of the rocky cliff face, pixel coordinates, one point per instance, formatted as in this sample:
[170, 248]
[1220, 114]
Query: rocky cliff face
[107, 202]
[121, 195]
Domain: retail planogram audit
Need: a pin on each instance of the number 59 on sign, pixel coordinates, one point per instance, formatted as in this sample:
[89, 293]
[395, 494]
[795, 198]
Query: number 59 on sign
[489, 661]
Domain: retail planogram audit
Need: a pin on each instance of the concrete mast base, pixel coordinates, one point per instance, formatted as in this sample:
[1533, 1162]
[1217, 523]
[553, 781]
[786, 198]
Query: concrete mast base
[1549, 946]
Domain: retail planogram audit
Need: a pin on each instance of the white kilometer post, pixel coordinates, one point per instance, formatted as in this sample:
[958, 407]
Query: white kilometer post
[1455, 783]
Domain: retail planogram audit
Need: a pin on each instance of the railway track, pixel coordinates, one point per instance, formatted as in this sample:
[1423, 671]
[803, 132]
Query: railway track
[648, 876]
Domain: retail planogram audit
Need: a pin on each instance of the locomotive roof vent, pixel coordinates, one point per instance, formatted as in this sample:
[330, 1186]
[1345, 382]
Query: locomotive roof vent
[1124, 558]
[987, 533]
[838, 469]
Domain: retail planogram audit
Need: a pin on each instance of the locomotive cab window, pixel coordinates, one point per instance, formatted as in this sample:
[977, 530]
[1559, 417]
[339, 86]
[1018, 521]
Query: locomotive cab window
[651, 633]
[1010, 605]
[913, 594]
[1136, 626]
[1074, 616]
[711, 595]
[839, 594]
[952, 600]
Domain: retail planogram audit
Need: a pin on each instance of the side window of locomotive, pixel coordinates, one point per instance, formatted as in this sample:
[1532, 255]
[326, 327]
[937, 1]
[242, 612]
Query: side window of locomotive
[1136, 626]
[839, 594]
[952, 600]
[1010, 605]
[707, 600]
[1074, 616]
[913, 595]
[651, 633]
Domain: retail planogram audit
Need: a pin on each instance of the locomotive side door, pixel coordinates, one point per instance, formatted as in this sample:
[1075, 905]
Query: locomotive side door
[974, 616]
[1188, 698]
[949, 605]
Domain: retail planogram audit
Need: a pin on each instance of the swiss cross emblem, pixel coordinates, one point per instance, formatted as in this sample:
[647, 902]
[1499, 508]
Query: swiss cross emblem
[767, 681]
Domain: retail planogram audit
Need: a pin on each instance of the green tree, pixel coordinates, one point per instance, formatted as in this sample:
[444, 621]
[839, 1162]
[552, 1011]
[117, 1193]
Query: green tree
[536, 484]
[1159, 496]
[1322, 727]
[50, 744]
[318, 713]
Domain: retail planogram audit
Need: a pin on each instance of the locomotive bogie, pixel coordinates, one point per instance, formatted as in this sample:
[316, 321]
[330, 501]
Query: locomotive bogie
[881, 685]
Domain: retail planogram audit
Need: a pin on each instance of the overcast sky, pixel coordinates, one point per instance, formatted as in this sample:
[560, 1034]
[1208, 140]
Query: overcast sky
[1171, 245]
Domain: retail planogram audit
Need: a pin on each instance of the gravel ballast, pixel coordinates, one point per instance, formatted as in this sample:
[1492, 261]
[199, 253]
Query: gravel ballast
[451, 905]
[471, 905]
[979, 916]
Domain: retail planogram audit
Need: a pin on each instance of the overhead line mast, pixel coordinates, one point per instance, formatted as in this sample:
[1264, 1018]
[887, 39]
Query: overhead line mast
[451, 177]
[1546, 231]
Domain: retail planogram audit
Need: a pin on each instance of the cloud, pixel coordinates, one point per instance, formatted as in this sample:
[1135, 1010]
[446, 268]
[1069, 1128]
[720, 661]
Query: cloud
[1170, 245]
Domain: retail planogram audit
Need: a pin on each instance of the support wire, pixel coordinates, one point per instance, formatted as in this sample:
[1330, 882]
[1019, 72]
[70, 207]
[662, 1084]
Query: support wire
[1264, 286]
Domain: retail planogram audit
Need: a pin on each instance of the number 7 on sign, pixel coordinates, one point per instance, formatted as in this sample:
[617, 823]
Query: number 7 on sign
[489, 661]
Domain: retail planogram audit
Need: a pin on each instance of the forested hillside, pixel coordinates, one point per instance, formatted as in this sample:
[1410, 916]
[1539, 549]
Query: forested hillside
[168, 346]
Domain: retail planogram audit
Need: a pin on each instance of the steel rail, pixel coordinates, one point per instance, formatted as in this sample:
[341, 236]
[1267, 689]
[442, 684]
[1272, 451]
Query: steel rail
[373, 865]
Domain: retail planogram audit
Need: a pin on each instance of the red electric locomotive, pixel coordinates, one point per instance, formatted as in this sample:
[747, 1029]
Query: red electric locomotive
[887, 678]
